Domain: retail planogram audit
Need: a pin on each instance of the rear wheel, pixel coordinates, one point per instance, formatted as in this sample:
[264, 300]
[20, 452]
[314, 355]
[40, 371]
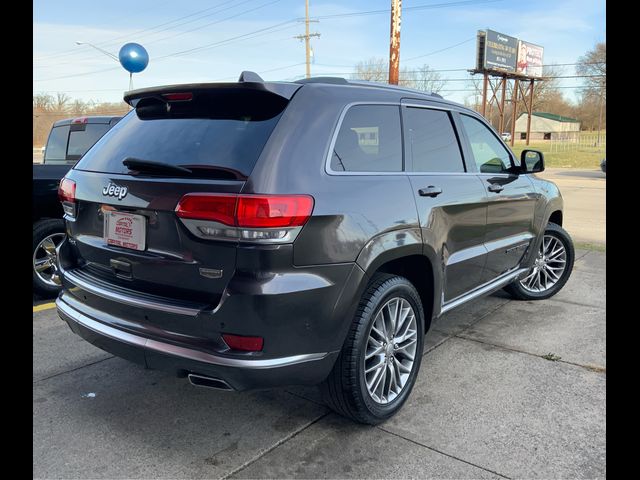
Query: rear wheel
[551, 270]
[47, 235]
[379, 362]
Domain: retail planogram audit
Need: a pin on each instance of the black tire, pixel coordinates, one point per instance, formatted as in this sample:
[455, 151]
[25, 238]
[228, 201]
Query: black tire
[41, 230]
[345, 390]
[517, 291]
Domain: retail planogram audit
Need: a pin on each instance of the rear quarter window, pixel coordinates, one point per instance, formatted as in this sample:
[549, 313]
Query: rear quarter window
[369, 140]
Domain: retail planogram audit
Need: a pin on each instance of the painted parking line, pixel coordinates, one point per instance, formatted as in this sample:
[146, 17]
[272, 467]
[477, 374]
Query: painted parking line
[43, 306]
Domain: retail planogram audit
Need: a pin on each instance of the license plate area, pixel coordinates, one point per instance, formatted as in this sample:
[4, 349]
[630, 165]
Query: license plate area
[126, 230]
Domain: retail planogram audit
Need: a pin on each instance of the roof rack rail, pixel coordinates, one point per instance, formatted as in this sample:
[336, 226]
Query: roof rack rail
[334, 80]
[248, 76]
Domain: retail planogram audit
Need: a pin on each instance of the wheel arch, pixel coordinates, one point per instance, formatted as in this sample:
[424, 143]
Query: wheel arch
[402, 253]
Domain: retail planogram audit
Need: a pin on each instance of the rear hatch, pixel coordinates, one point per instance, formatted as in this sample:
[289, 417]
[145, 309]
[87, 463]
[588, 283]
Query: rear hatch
[176, 140]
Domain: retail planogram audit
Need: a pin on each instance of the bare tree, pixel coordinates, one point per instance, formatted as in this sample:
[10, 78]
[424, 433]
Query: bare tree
[48, 109]
[42, 102]
[61, 102]
[372, 70]
[593, 65]
[428, 80]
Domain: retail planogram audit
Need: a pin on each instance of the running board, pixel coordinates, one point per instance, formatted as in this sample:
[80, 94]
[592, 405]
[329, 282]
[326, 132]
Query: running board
[496, 284]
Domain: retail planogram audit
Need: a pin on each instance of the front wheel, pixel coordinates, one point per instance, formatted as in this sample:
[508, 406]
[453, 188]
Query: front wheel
[381, 356]
[551, 269]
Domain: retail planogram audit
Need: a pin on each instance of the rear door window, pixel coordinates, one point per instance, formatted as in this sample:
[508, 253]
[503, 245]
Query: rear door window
[369, 140]
[431, 142]
[56, 151]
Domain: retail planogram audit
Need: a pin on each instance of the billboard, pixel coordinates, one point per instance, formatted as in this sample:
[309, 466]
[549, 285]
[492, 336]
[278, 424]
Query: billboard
[500, 52]
[529, 59]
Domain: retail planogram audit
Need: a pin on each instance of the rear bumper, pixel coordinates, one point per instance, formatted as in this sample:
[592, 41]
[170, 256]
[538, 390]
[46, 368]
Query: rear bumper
[239, 373]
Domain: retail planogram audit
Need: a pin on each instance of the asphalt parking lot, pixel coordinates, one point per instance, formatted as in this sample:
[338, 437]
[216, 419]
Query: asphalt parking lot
[507, 389]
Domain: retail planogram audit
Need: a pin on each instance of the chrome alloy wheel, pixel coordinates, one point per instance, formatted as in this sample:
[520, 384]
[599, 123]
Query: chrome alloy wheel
[45, 260]
[391, 350]
[548, 267]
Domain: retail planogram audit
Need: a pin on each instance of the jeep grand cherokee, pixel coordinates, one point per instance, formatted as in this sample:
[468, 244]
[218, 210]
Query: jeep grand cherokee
[259, 234]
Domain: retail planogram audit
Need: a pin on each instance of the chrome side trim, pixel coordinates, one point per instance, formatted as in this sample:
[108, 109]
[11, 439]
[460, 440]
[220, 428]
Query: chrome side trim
[483, 290]
[128, 299]
[72, 314]
[521, 239]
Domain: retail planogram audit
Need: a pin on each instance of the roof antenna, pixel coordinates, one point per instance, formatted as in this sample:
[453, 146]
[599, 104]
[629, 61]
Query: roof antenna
[248, 76]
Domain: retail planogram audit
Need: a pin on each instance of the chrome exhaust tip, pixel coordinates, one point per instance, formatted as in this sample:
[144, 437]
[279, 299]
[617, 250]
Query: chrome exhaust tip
[209, 382]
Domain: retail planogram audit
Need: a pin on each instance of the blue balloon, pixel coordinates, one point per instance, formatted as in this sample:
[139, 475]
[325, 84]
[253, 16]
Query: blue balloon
[133, 57]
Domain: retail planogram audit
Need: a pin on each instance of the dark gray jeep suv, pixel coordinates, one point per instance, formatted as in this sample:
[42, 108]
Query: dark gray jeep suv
[258, 234]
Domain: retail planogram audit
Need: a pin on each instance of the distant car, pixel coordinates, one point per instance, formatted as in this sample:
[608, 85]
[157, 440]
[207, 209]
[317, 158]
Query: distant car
[68, 140]
[42, 150]
[603, 165]
[506, 136]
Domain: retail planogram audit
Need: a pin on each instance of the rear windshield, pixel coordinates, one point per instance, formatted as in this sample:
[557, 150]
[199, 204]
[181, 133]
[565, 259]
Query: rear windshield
[66, 146]
[82, 140]
[221, 143]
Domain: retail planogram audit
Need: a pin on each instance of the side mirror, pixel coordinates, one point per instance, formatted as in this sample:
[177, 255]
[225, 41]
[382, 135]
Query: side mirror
[532, 161]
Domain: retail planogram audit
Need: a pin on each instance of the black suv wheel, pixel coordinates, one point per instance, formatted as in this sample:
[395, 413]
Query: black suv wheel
[551, 269]
[379, 362]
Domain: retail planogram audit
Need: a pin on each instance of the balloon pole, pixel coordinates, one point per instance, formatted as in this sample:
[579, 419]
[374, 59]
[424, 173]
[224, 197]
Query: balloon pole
[130, 81]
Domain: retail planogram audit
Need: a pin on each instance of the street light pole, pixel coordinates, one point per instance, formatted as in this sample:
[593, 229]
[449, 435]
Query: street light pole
[110, 55]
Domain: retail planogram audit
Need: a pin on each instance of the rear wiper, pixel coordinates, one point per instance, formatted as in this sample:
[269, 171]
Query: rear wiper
[151, 166]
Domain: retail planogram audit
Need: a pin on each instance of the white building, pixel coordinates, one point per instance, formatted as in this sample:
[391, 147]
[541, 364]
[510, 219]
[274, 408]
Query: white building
[547, 126]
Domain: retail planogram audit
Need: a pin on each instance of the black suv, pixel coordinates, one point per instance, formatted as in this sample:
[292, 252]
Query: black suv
[258, 234]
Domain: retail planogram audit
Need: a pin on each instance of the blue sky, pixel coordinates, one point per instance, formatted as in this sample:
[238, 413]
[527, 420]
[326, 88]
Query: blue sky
[566, 28]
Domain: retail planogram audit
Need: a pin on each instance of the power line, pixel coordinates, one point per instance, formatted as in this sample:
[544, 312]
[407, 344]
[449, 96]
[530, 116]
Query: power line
[214, 22]
[190, 21]
[247, 36]
[405, 9]
[107, 42]
[442, 49]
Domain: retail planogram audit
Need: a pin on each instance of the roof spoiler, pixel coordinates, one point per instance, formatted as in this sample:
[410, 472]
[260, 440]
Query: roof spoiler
[248, 81]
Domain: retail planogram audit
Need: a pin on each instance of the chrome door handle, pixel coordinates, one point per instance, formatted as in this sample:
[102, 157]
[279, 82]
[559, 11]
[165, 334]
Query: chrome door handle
[495, 188]
[430, 191]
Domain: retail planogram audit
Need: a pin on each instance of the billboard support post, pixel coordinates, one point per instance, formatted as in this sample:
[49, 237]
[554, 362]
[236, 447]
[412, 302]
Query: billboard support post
[504, 94]
[514, 110]
[485, 80]
[530, 110]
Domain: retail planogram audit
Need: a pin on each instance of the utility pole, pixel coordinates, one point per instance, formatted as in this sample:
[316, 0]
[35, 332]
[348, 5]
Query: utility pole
[394, 48]
[307, 36]
[600, 114]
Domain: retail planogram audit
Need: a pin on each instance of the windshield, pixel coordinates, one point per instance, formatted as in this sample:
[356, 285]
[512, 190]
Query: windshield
[231, 143]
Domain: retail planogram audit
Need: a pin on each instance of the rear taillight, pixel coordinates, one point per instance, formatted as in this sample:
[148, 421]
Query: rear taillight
[270, 211]
[67, 195]
[239, 342]
[80, 120]
[245, 217]
[202, 206]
